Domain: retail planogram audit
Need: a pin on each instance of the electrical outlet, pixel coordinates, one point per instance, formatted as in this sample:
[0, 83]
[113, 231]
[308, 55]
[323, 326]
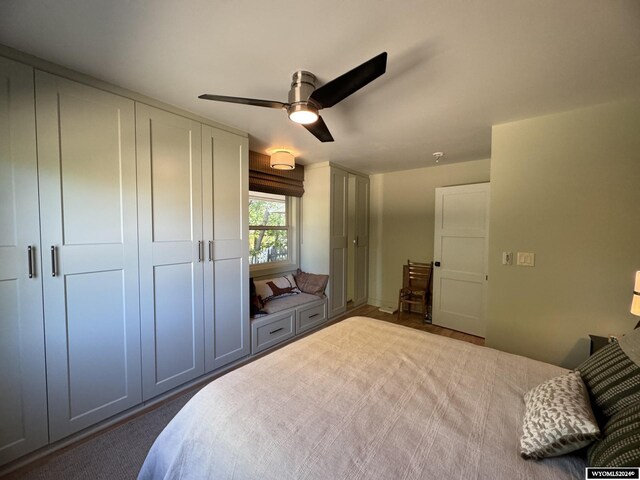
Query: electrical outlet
[526, 259]
[507, 258]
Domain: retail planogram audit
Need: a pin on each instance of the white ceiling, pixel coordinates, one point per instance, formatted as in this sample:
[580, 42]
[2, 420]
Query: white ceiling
[455, 67]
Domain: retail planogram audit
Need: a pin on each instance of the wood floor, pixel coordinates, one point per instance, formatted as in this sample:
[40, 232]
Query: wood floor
[413, 320]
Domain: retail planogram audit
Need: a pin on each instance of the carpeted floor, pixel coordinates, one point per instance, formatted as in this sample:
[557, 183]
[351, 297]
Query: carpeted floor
[116, 454]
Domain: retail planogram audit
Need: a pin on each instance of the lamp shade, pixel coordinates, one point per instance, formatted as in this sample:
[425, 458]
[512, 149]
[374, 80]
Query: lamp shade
[282, 160]
[635, 303]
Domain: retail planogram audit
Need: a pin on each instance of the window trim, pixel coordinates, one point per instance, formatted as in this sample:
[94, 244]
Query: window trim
[293, 242]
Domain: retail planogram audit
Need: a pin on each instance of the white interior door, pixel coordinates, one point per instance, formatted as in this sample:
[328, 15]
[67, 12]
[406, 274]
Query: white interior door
[87, 169]
[23, 395]
[461, 247]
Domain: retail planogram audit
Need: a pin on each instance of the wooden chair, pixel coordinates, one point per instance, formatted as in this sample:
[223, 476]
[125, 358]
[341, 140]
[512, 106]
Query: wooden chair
[416, 286]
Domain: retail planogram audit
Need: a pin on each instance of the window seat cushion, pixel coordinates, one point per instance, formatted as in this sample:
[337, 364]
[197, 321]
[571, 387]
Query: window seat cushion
[292, 301]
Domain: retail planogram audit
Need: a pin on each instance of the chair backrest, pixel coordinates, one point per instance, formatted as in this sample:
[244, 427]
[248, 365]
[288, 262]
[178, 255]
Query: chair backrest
[419, 274]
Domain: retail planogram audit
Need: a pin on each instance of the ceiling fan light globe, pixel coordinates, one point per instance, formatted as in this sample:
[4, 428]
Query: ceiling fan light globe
[303, 114]
[303, 118]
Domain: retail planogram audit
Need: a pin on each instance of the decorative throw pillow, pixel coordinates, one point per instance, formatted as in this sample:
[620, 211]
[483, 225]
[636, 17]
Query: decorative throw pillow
[311, 282]
[558, 418]
[620, 446]
[255, 307]
[267, 290]
[612, 375]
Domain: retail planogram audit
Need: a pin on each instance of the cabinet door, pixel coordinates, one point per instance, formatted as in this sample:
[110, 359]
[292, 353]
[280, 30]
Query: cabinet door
[86, 155]
[338, 243]
[171, 250]
[226, 272]
[361, 250]
[23, 396]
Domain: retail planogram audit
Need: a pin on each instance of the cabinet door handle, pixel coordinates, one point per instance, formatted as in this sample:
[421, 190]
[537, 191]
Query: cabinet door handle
[210, 250]
[199, 250]
[276, 330]
[30, 257]
[54, 261]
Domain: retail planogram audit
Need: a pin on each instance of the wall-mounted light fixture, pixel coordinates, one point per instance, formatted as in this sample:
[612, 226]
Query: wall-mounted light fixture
[282, 159]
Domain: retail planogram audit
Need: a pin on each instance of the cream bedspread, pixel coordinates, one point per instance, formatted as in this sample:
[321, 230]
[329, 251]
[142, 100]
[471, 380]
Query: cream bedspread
[362, 399]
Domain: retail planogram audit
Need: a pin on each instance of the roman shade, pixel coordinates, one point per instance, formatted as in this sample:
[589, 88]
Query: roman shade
[263, 178]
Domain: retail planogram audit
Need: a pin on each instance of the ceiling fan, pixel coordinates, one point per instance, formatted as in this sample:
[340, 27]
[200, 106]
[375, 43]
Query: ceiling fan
[305, 100]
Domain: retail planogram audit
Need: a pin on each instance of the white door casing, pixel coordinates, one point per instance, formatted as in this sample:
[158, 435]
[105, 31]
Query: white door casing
[461, 243]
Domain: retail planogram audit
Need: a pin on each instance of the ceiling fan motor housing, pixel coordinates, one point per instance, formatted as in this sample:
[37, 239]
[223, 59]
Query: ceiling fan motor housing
[303, 84]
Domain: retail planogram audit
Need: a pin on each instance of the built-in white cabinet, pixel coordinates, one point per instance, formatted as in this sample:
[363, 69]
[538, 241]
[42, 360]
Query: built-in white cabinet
[88, 218]
[225, 188]
[360, 282]
[193, 198]
[171, 250]
[326, 232]
[23, 395]
[338, 248]
[123, 254]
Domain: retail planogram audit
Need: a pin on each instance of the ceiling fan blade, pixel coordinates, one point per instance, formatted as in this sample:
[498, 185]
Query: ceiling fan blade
[320, 130]
[340, 88]
[245, 101]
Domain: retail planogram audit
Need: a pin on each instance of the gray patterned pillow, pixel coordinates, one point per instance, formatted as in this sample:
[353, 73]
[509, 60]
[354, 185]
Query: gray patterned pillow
[620, 446]
[558, 418]
[612, 375]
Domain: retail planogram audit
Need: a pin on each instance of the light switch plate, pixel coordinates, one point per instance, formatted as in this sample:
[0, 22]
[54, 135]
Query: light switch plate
[507, 258]
[526, 259]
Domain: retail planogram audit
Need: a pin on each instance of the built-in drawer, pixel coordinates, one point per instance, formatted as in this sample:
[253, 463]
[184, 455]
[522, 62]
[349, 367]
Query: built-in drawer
[267, 332]
[310, 317]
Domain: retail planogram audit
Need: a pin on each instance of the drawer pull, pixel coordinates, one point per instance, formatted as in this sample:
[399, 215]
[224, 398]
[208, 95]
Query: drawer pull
[314, 315]
[276, 330]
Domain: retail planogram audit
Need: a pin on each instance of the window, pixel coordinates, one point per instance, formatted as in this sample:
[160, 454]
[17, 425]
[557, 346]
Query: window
[269, 228]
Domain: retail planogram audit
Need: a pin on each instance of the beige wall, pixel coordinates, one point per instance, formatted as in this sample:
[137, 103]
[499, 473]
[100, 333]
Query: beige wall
[402, 218]
[566, 187]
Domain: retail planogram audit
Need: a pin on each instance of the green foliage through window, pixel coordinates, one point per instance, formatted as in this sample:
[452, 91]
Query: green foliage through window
[268, 228]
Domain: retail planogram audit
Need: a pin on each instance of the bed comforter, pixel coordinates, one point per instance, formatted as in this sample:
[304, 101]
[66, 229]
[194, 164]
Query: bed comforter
[361, 399]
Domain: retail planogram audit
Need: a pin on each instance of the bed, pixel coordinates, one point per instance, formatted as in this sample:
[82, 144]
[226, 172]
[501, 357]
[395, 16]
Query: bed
[361, 399]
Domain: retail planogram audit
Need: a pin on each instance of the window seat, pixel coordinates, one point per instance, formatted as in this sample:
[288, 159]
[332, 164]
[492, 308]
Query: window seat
[284, 303]
[287, 317]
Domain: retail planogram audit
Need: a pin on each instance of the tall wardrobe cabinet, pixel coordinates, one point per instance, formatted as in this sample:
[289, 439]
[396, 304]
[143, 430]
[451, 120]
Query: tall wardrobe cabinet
[71, 252]
[23, 394]
[325, 231]
[123, 254]
[193, 200]
[88, 218]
